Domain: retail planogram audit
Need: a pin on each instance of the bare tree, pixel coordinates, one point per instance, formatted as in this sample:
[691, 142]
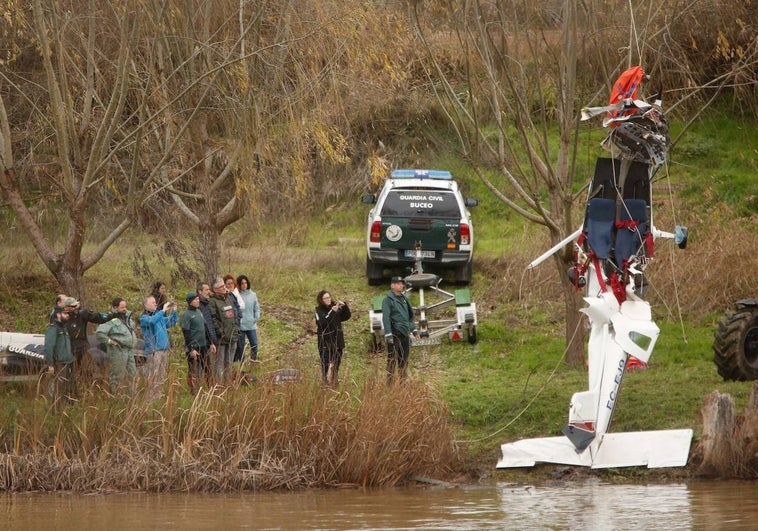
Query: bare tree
[82, 105]
[505, 135]
[126, 122]
[515, 108]
[207, 135]
[262, 110]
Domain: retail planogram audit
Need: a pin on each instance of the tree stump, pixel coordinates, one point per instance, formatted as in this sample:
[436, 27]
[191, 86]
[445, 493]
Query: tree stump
[718, 444]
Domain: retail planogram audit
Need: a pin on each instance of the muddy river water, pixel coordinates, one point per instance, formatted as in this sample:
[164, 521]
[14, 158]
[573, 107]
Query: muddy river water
[589, 504]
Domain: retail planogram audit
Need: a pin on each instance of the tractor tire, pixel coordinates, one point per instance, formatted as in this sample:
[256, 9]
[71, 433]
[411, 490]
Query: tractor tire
[735, 345]
[374, 273]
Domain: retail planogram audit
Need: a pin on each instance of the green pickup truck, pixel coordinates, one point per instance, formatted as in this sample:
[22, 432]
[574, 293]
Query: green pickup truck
[419, 211]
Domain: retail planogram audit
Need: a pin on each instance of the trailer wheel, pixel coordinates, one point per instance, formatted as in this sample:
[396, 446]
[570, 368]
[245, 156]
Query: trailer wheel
[735, 345]
[472, 335]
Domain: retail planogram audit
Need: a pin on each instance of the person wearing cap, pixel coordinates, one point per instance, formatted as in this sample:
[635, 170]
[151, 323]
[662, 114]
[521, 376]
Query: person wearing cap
[58, 356]
[77, 331]
[155, 323]
[119, 336]
[398, 322]
[195, 342]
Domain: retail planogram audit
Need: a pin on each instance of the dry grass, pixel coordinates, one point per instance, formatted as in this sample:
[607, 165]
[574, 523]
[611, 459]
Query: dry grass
[263, 437]
[717, 268]
[729, 447]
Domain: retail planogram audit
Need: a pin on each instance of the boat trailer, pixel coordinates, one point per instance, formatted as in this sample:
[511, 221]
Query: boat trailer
[457, 325]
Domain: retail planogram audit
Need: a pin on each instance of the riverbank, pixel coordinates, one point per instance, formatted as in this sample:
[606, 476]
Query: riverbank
[512, 384]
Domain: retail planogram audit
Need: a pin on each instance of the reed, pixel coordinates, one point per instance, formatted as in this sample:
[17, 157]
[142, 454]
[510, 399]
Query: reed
[265, 436]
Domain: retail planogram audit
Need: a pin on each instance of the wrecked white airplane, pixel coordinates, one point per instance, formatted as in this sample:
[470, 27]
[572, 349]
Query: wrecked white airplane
[613, 247]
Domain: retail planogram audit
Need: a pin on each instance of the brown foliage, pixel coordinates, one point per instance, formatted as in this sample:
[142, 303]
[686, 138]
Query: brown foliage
[717, 268]
[266, 437]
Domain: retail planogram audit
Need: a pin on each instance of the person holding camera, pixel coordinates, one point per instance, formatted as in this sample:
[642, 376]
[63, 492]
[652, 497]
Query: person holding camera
[155, 323]
[119, 337]
[331, 340]
[398, 322]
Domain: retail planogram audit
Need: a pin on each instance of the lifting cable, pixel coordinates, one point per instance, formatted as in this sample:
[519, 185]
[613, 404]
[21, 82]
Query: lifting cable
[671, 257]
[534, 396]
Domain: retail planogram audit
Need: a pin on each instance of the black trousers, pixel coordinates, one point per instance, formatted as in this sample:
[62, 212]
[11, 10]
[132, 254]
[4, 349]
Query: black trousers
[397, 356]
[199, 368]
[330, 355]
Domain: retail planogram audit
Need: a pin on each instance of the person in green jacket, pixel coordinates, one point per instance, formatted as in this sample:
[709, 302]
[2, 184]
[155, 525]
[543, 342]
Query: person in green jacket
[398, 322]
[119, 336]
[195, 343]
[58, 356]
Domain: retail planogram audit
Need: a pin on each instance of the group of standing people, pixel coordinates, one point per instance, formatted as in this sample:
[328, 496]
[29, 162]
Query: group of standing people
[219, 319]
[215, 327]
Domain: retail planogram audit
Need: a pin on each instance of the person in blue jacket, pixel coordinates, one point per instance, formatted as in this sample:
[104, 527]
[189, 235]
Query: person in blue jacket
[154, 323]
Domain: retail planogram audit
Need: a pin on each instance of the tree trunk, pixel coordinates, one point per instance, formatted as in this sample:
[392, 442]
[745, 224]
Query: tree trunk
[718, 441]
[574, 329]
[71, 281]
[210, 237]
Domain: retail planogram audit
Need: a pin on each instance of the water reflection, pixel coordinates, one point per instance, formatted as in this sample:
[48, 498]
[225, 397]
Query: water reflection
[585, 505]
[595, 505]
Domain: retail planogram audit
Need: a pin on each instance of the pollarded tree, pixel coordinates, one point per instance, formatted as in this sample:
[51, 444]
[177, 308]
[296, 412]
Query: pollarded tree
[205, 141]
[104, 117]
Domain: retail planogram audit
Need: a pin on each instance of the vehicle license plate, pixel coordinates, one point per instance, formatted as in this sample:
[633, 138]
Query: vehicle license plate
[424, 254]
[425, 341]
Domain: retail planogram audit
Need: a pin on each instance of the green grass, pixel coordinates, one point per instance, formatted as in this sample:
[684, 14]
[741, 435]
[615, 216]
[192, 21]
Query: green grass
[718, 162]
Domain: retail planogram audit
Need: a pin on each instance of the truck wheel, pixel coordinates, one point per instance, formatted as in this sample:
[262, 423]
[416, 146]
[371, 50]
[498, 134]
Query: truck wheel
[374, 273]
[463, 274]
[735, 345]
